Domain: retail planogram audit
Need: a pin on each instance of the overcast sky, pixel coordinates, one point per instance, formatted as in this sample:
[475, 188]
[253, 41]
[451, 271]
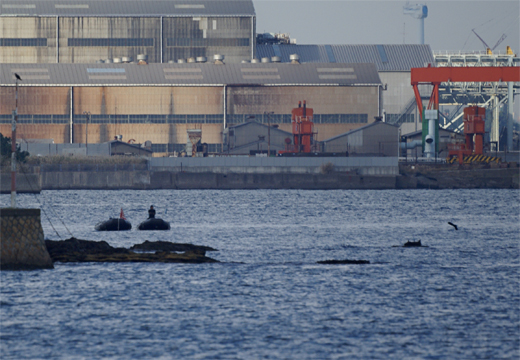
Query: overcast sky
[447, 27]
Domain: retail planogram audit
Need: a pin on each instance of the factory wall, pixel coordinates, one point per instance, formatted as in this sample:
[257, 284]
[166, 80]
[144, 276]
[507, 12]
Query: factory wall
[89, 39]
[163, 114]
[28, 39]
[379, 139]
[398, 96]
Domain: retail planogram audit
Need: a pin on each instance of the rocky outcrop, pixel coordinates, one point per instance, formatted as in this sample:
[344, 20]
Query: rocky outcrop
[168, 246]
[339, 262]
[75, 250]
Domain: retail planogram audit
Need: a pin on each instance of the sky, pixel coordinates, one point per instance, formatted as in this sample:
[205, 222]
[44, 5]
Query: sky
[448, 26]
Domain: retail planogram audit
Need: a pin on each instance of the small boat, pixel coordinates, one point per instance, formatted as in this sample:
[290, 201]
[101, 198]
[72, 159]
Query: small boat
[154, 224]
[114, 224]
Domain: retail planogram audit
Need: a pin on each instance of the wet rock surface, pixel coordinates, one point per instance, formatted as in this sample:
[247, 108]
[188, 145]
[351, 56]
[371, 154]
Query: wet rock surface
[338, 262]
[76, 250]
[168, 246]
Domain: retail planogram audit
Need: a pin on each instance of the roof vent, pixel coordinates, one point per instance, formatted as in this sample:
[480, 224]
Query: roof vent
[191, 60]
[295, 59]
[142, 59]
[117, 60]
[266, 60]
[218, 59]
[126, 59]
[181, 61]
[202, 59]
[276, 59]
[255, 61]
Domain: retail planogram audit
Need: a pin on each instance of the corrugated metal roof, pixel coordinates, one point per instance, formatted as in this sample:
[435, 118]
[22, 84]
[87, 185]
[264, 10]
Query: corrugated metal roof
[376, 123]
[189, 74]
[386, 57]
[141, 8]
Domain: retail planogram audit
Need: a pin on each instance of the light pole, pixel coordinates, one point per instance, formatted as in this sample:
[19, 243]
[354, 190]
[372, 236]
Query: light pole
[13, 144]
[268, 131]
[87, 113]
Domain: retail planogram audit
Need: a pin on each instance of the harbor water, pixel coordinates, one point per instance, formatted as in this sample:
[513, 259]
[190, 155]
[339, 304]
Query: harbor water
[456, 298]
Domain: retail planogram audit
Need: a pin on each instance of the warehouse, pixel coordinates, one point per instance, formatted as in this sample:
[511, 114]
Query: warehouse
[376, 139]
[86, 31]
[79, 103]
[393, 63]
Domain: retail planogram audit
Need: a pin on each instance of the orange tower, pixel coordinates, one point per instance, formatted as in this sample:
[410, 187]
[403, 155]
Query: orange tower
[302, 129]
[474, 129]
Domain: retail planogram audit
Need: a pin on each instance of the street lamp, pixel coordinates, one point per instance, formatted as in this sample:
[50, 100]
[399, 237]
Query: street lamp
[13, 145]
[268, 131]
[87, 113]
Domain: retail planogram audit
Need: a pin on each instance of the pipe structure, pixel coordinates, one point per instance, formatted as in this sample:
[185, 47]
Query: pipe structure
[410, 145]
[510, 116]
[429, 141]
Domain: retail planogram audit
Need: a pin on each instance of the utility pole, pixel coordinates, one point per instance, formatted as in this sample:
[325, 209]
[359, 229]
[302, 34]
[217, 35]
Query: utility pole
[268, 131]
[87, 113]
[13, 145]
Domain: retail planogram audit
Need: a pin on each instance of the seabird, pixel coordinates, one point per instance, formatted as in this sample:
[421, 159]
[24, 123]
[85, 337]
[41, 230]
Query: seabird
[452, 224]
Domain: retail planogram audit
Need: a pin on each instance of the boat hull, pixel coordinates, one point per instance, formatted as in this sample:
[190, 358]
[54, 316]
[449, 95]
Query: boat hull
[114, 225]
[154, 224]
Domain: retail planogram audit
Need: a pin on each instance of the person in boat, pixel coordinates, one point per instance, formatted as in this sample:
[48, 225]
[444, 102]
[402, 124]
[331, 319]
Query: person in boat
[151, 212]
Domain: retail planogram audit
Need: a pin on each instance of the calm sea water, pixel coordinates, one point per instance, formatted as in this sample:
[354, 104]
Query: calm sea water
[458, 298]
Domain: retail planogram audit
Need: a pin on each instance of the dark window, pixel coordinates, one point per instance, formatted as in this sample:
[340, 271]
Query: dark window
[197, 42]
[23, 42]
[111, 42]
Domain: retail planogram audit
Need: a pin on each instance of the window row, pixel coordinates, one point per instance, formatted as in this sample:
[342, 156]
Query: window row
[184, 119]
[393, 118]
[193, 42]
[149, 42]
[23, 42]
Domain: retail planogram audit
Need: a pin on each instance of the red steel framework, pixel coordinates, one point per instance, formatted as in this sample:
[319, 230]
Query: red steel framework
[437, 75]
[473, 116]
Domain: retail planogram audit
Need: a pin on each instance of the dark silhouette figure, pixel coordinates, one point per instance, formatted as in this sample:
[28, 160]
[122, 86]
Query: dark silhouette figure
[151, 213]
[17, 76]
[452, 224]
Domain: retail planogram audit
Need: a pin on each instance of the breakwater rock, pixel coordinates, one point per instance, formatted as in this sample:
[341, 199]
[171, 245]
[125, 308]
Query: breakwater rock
[169, 246]
[75, 250]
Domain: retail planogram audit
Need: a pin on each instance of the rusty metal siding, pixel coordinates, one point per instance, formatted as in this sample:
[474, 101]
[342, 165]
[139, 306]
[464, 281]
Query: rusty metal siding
[117, 28]
[127, 8]
[28, 28]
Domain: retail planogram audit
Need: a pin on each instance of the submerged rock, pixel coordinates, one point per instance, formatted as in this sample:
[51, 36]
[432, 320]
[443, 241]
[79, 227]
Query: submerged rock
[412, 244]
[75, 250]
[334, 262]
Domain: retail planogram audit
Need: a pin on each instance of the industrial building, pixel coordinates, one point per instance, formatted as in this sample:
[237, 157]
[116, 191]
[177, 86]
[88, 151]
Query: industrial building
[82, 103]
[86, 31]
[375, 139]
[393, 63]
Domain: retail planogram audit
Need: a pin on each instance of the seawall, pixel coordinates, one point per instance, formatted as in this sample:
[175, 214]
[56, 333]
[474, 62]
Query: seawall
[22, 245]
[25, 183]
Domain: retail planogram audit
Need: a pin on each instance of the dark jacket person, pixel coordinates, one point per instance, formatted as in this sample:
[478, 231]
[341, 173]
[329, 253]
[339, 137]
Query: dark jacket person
[151, 213]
